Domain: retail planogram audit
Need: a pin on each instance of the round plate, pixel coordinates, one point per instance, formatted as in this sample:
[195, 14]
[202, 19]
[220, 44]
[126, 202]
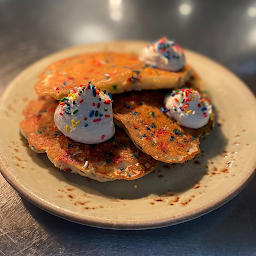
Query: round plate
[169, 195]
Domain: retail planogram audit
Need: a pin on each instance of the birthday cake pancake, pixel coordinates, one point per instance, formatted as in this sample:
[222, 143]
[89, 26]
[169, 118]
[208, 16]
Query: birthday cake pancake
[159, 102]
[153, 131]
[114, 72]
[116, 158]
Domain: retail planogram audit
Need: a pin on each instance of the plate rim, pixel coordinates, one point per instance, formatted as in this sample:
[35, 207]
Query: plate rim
[123, 225]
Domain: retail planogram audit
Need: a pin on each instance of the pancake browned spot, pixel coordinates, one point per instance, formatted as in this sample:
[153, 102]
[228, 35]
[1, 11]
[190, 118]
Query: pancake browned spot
[116, 158]
[153, 131]
[111, 71]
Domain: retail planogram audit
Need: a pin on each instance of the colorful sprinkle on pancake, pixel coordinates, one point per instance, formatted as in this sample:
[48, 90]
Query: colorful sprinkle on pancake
[111, 71]
[116, 158]
[152, 130]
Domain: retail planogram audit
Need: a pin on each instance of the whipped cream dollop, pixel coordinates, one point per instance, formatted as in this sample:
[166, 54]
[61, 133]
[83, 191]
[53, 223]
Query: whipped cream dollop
[164, 55]
[188, 108]
[86, 115]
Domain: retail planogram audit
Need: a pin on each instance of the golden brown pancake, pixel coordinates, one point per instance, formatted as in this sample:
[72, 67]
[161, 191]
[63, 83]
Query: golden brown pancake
[154, 132]
[111, 71]
[117, 158]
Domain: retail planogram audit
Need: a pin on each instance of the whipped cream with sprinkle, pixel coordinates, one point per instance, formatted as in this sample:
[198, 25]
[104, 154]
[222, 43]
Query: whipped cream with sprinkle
[188, 108]
[86, 115]
[164, 55]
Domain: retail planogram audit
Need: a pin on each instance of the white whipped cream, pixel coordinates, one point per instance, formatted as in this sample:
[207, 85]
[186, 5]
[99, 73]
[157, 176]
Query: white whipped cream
[164, 55]
[188, 108]
[86, 115]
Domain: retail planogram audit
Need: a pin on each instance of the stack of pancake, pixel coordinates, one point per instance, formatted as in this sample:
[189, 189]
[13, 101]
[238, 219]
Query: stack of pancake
[145, 134]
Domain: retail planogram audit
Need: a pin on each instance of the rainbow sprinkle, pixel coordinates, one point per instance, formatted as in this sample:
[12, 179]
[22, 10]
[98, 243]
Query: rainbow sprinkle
[184, 97]
[70, 106]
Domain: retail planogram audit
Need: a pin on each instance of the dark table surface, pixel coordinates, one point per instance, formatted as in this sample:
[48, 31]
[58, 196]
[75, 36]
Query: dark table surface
[222, 30]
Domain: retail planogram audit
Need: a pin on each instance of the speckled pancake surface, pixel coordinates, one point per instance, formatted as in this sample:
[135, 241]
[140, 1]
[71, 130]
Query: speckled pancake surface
[116, 158]
[153, 131]
[111, 71]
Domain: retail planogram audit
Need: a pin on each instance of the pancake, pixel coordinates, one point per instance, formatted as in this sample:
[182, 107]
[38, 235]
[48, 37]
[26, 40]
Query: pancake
[117, 158]
[111, 71]
[154, 132]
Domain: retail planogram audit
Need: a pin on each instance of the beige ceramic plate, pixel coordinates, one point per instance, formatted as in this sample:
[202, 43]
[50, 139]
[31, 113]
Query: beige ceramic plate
[172, 193]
